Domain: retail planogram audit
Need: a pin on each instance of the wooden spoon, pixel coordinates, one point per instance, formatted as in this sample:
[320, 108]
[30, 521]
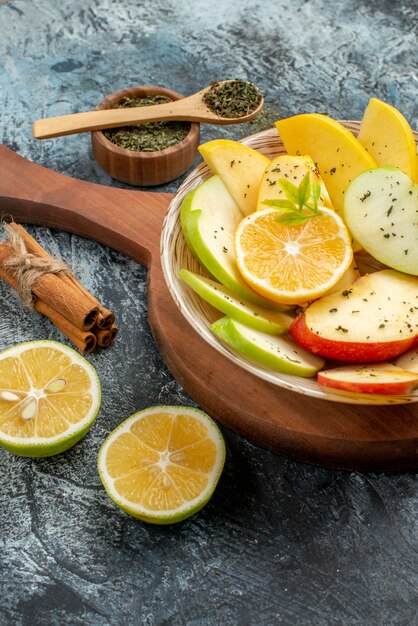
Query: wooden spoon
[190, 109]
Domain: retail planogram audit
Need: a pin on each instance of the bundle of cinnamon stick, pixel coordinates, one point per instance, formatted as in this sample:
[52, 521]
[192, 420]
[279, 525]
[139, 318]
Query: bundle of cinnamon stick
[50, 288]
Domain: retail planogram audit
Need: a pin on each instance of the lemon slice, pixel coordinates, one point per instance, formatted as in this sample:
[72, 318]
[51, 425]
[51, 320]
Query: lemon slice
[291, 264]
[162, 464]
[49, 398]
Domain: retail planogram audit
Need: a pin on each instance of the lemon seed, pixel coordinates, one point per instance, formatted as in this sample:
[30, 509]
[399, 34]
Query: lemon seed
[56, 385]
[8, 396]
[30, 409]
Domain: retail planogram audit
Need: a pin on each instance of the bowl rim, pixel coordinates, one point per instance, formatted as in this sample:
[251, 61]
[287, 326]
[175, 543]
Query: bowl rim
[290, 382]
[153, 90]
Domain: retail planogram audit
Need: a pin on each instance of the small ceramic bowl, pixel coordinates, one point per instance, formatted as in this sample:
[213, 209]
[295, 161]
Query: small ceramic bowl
[144, 168]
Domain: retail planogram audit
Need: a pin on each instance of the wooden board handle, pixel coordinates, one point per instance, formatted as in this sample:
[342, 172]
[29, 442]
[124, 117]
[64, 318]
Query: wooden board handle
[128, 221]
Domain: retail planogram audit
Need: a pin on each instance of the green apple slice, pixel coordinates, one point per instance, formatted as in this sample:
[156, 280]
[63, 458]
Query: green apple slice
[279, 353]
[240, 167]
[381, 211]
[209, 217]
[222, 298]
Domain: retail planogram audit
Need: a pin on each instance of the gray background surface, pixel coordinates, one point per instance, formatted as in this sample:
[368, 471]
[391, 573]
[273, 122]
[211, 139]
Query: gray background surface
[280, 542]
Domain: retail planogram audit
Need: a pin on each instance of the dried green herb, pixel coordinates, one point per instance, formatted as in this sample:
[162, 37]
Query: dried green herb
[149, 137]
[232, 98]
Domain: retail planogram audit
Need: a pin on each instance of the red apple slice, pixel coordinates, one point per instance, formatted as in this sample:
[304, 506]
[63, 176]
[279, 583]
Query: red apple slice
[374, 320]
[380, 378]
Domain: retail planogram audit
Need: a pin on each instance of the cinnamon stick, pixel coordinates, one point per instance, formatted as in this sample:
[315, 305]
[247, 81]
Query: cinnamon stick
[59, 295]
[105, 336]
[55, 292]
[85, 341]
[105, 318]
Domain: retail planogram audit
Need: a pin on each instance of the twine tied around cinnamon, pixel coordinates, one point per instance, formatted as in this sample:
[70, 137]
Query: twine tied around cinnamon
[27, 267]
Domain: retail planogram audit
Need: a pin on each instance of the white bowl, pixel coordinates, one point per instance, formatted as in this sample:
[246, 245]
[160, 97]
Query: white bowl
[175, 255]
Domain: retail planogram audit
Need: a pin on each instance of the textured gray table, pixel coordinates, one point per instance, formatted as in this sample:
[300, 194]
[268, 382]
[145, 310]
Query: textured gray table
[280, 542]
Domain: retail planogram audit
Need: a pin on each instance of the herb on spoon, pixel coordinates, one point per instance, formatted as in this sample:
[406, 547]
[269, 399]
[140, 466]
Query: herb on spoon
[232, 98]
[151, 136]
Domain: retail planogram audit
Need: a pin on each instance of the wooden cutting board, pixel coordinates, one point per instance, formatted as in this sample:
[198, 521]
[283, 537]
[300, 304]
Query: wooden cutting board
[315, 431]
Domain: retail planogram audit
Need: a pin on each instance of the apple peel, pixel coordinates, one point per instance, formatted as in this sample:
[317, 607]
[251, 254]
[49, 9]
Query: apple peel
[378, 378]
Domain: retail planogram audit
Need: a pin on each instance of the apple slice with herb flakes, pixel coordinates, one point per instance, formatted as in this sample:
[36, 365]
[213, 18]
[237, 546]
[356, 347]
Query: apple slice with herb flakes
[380, 378]
[292, 169]
[340, 157]
[279, 353]
[271, 322]
[240, 167]
[409, 361]
[388, 137]
[209, 217]
[374, 320]
[381, 211]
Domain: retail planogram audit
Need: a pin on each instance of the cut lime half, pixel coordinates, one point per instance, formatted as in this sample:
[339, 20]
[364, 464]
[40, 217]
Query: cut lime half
[49, 398]
[162, 464]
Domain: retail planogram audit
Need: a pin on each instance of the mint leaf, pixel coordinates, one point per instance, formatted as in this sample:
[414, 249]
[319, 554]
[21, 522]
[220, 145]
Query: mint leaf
[280, 204]
[316, 192]
[297, 200]
[304, 189]
[290, 190]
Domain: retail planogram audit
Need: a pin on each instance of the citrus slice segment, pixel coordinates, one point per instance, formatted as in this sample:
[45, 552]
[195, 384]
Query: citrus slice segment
[162, 465]
[292, 263]
[49, 398]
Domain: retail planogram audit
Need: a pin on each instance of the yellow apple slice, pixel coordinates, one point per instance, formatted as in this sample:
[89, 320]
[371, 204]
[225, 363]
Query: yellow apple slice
[339, 156]
[240, 168]
[292, 169]
[388, 138]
